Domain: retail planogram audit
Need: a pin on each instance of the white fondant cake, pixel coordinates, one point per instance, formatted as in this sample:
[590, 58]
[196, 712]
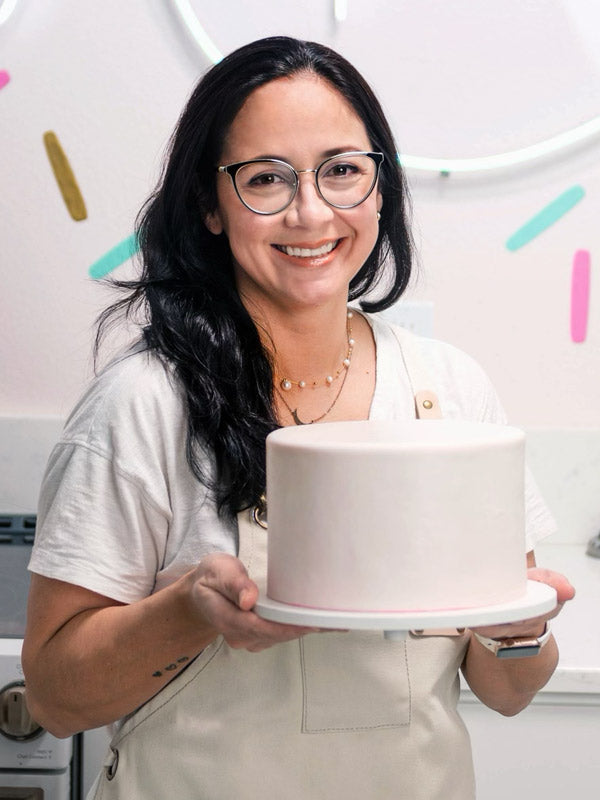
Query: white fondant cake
[396, 516]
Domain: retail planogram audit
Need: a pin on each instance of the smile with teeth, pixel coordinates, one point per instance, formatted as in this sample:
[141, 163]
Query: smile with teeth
[307, 252]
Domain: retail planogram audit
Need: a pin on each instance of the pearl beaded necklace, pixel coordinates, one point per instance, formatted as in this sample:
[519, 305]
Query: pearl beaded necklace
[287, 383]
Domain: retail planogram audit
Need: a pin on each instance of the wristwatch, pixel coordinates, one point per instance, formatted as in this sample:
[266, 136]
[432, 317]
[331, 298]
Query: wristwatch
[517, 647]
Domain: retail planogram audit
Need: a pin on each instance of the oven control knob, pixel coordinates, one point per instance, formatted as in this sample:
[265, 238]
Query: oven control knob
[15, 720]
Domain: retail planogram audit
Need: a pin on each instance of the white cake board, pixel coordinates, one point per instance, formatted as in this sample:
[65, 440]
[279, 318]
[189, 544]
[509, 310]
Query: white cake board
[538, 600]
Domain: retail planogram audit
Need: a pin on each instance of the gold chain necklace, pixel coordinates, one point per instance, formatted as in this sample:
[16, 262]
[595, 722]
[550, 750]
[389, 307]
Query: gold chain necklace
[286, 383]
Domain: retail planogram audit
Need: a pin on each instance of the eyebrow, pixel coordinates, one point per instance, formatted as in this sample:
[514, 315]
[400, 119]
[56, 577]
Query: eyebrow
[324, 154]
[351, 148]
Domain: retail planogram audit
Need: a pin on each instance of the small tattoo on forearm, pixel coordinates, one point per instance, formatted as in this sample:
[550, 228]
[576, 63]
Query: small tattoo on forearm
[171, 667]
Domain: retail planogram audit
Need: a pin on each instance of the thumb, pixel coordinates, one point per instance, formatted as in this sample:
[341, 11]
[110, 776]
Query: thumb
[229, 577]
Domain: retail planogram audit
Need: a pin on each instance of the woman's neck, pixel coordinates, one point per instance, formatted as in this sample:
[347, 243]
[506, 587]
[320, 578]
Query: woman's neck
[307, 345]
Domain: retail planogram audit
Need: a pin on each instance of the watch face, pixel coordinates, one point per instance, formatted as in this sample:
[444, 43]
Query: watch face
[518, 651]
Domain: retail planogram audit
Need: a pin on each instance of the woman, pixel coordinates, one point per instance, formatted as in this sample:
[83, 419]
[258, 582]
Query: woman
[280, 201]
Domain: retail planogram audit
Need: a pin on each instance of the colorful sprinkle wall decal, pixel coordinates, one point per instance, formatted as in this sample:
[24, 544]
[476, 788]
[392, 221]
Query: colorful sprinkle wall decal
[64, 177]
[580, 295]
[4, 78]
[114, 257]
[546, 217]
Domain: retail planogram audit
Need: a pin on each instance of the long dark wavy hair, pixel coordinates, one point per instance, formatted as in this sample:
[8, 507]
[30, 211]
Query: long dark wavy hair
[186, 294]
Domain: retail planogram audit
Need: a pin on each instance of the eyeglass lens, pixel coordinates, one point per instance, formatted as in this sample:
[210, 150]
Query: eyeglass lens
[343, 181]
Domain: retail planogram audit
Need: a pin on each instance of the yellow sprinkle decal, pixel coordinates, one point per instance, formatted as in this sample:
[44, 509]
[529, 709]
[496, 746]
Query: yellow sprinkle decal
[64, 177]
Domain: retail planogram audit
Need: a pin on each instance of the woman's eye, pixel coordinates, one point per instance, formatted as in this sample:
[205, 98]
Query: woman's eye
[267, 179]
[341, 171]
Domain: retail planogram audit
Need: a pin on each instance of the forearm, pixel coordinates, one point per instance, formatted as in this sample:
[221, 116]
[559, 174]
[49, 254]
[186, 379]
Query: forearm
[89, 660]
[105, 662]
[508, 685]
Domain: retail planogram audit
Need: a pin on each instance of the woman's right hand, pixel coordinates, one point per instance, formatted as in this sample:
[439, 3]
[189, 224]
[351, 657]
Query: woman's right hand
[224, 594]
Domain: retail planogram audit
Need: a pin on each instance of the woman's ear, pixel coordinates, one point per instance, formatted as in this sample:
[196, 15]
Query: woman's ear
[379, 201]
[213, 222]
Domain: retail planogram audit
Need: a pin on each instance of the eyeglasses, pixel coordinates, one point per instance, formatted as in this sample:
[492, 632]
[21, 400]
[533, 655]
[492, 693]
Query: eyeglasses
[268, 185]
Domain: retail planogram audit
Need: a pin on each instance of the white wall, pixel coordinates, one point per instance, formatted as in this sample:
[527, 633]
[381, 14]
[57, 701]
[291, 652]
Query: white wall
[464, 78]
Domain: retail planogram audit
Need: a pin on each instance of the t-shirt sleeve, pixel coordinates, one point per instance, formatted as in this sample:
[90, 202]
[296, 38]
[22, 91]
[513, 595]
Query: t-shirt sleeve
[125, 529]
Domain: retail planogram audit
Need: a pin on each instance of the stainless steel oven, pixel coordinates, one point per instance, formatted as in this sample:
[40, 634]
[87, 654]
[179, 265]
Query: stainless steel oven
[34, 765]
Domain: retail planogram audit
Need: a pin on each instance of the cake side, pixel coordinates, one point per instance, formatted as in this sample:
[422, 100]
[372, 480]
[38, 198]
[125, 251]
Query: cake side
[398, 517]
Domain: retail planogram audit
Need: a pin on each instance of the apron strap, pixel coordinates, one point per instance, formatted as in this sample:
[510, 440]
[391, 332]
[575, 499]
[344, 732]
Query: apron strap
[427, 405]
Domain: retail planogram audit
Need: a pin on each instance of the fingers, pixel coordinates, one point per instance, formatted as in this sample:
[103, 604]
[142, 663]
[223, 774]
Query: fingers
[533, 626]
[564, 589]
[259, 634]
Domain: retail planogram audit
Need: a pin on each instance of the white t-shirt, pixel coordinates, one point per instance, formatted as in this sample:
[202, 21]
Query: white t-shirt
[120, 511]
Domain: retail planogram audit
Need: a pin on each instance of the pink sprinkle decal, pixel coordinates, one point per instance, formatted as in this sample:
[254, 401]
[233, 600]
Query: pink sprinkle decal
[4, 78]
[580, 295]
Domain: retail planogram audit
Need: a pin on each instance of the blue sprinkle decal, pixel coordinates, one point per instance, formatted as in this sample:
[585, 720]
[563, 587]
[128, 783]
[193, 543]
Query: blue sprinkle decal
[546, 217]
[115, 257]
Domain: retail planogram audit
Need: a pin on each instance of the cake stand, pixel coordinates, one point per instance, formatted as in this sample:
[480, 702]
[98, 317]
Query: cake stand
[539, 599]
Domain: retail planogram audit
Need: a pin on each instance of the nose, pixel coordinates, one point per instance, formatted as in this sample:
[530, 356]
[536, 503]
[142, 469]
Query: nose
[308, 207]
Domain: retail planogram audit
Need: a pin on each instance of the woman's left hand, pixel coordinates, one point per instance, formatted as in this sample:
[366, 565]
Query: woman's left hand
[534, 626]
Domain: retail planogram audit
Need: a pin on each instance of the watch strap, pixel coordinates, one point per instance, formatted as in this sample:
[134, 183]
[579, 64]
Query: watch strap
[517, 646]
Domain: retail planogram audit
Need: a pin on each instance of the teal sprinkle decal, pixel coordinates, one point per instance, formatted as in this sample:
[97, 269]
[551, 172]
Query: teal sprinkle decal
[546, 217]
[115, 257]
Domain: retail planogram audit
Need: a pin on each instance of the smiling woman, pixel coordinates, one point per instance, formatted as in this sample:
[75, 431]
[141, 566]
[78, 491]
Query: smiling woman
[281, 201]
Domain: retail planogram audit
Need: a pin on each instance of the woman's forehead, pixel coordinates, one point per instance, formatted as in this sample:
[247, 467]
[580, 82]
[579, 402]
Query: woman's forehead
[300, 113]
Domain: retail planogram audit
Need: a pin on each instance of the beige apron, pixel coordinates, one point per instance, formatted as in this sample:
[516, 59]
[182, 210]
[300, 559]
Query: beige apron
[331, 715]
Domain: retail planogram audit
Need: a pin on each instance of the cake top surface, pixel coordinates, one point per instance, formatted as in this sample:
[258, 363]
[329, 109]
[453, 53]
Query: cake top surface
[388, 435]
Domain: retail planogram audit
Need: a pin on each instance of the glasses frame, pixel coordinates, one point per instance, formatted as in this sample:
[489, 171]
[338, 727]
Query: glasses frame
[233, 169]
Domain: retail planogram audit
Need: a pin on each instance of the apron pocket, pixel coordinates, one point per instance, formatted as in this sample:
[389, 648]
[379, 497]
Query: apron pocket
[353, 681]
